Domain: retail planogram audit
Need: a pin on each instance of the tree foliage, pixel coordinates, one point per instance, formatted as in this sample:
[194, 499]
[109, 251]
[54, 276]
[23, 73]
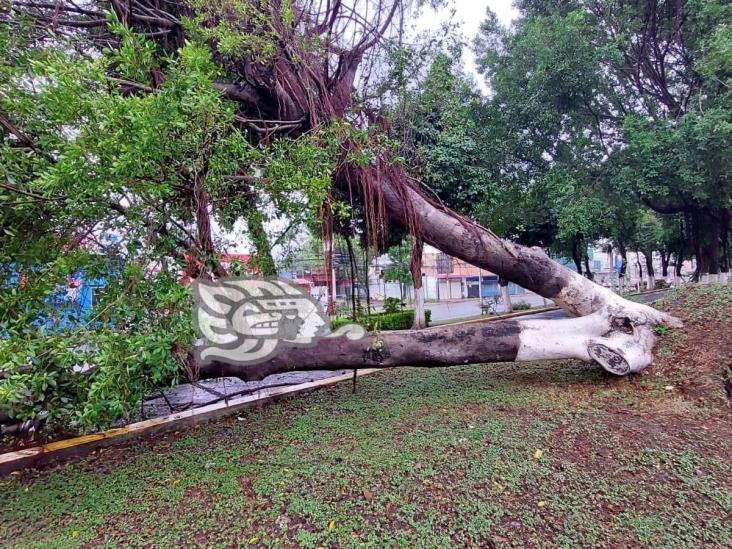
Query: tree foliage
[613, 107]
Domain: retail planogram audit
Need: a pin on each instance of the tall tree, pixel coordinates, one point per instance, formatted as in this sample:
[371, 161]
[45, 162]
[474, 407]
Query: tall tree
[632, 83]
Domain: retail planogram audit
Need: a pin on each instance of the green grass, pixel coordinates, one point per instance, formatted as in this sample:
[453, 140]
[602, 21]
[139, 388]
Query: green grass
[416, 458]
[703, 302]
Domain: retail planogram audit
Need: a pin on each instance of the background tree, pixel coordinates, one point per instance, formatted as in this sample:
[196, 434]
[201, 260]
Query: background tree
[630, 84]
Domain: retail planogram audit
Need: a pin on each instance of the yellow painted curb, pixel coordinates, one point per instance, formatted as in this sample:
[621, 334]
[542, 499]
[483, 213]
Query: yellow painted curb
[80, 446]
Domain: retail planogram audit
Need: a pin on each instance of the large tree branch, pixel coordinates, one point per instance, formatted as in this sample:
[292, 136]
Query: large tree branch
[667, 209]
[614, 332]
[531, 268]
[594, 337]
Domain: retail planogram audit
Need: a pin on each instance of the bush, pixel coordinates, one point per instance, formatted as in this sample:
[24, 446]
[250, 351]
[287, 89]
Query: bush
[85, 378]
[392, 305]
[661, 285]
[521, 306]
[401, 320]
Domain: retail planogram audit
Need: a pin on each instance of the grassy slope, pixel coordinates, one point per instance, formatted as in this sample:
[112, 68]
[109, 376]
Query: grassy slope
[427, 458]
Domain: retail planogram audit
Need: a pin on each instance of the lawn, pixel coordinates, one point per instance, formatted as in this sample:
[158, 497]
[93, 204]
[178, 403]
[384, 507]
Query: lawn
[551, 454]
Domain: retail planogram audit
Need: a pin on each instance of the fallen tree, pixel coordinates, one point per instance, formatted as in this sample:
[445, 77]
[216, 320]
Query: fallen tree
[620, 343]
[616, 333]
[297, 77]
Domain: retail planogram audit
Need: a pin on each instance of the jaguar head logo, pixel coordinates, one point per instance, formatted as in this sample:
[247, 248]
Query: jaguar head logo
[245, 321]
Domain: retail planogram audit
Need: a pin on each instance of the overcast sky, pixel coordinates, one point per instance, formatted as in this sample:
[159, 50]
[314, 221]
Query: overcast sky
[469, 14]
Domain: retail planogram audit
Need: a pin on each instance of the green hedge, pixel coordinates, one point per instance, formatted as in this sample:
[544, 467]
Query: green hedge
[401, 320]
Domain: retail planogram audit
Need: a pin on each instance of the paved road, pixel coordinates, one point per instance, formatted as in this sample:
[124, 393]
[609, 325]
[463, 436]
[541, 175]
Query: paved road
[453, 310]
[457, 310]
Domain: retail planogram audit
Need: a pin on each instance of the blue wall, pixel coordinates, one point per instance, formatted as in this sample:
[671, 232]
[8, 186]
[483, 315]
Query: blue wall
[73, 309]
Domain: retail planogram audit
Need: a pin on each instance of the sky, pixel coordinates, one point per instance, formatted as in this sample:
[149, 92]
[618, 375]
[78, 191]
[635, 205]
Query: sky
[469, 14]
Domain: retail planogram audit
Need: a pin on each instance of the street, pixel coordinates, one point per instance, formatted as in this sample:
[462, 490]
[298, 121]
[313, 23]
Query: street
[466, 308]
[455, 310]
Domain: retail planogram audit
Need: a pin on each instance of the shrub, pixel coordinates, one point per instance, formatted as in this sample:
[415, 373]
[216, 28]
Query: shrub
[401, 320]
[85, 378]
[392, 305]
[521, 306]
[661, 285]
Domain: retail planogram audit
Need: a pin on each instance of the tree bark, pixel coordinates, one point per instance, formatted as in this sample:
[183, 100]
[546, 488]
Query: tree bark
[366, 280]
[263, 260]
[624, 263]
[725, 230]
[530, 268]
[415, 268]
[679, 263]
[665, 260]
[576, 257]
[588, 272]
[590, 338]
[710, 242]
[354, 271]
[648, 254]
[640, 266]
[505, 296]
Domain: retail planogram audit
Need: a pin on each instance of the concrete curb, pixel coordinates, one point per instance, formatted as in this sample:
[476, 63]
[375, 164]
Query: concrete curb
[46, 454]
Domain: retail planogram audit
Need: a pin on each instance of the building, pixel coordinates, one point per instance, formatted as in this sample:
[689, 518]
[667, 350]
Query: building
[448, 278]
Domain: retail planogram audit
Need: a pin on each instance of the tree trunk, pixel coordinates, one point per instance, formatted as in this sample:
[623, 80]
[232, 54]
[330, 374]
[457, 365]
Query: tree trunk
[262, 260]
[530, 268]
[696, 242]
[588, 272]
[505, 296]
[576, 257]
[366, 280]
[593, 337]
[648, 254]
[624, 256]
[709, 242]
[416, 270]
[354, 270]
[330, 275]
[640, 267]
[665, 260]
[208, 259]
[678, 265]
[725, 229]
